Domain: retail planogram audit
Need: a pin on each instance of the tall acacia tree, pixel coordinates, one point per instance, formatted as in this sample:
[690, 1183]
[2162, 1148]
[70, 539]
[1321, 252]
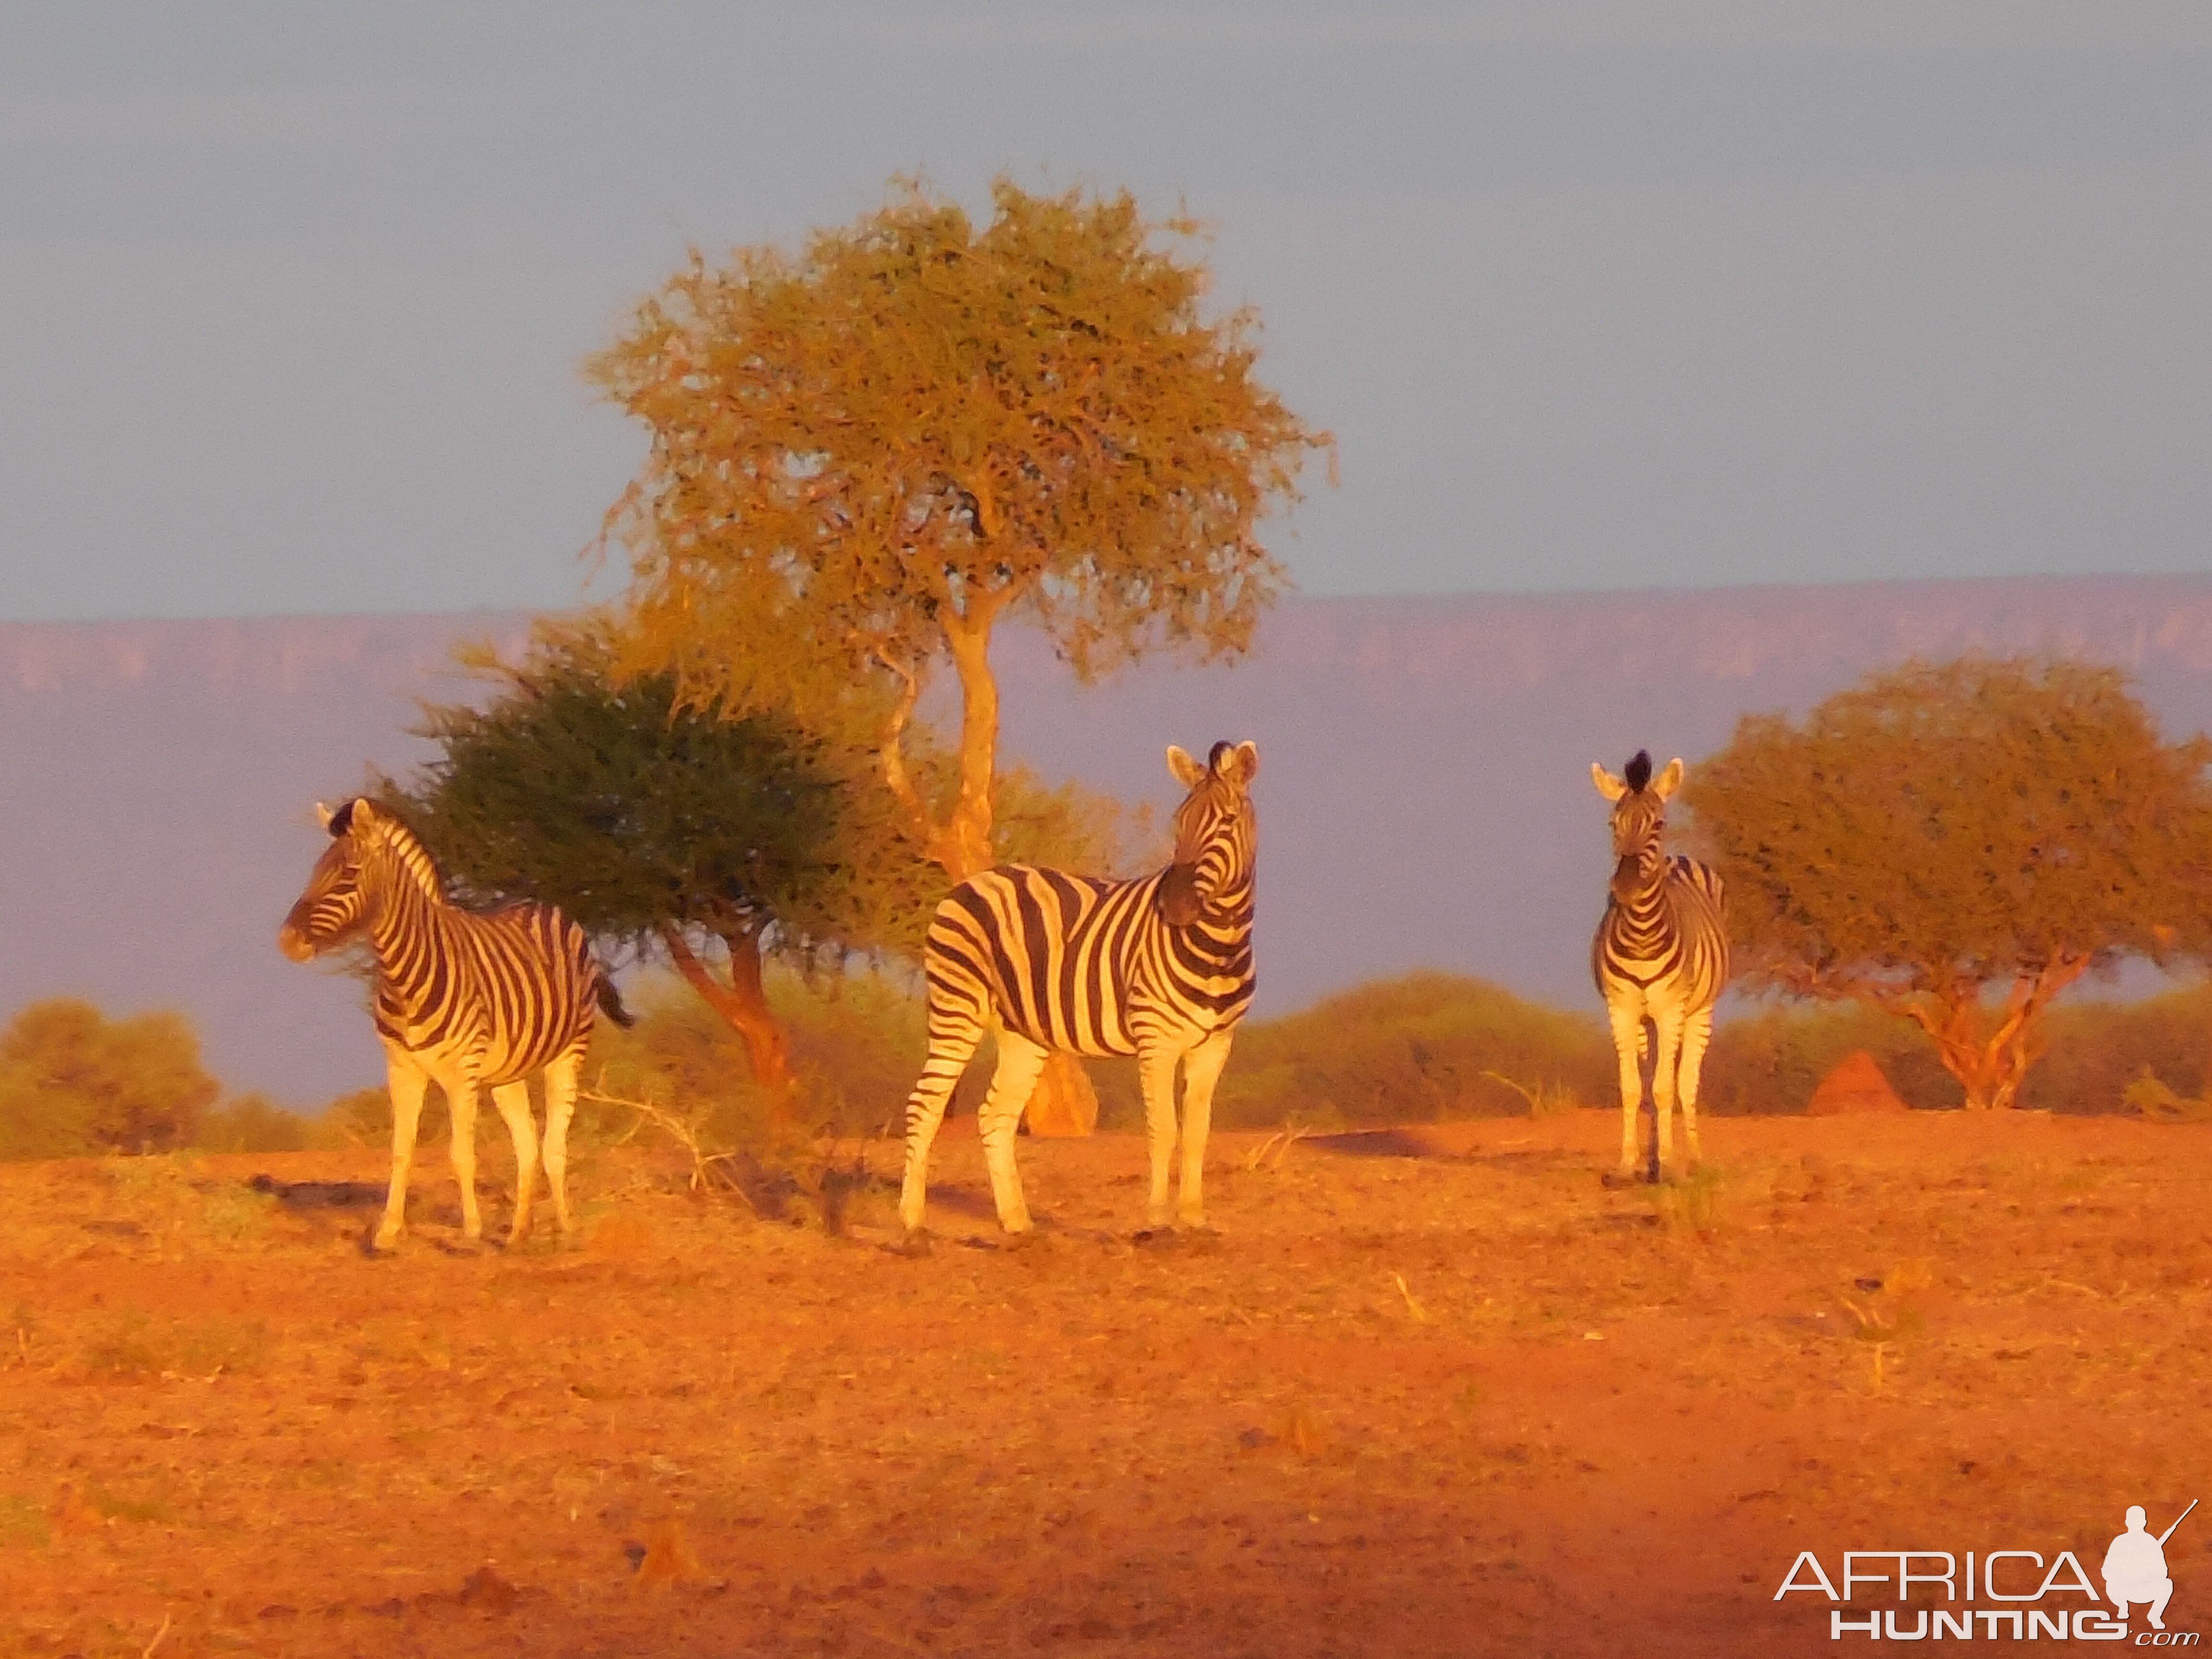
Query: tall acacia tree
[867, 455]
[1947, 831]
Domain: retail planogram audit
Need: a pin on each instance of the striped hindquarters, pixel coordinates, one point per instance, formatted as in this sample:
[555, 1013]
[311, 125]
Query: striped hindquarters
[1053, 955]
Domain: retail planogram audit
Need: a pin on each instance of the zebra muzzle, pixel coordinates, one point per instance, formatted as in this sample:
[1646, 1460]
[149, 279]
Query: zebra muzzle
[1627, 878]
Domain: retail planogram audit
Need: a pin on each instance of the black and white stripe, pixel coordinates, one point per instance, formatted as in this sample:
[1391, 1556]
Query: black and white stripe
[1661, 955]
[464, 999]
[1159, 968]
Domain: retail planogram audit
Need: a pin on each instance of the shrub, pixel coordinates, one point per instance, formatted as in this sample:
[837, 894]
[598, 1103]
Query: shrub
[252, 1124]
[73, 1082]
[2099, 1049]
[1774, 1059]
[1411, 1049]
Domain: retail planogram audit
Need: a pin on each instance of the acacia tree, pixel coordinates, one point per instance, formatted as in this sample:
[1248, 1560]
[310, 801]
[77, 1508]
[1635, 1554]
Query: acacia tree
[654, 824]
[1956, 843]
[864, 457]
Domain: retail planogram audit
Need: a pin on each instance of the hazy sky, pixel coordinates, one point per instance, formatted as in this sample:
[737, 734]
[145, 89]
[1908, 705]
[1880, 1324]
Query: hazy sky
[1594, 296]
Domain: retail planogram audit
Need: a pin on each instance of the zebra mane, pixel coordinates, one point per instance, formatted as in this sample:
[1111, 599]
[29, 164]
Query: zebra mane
[406, 847]
[1637, 773]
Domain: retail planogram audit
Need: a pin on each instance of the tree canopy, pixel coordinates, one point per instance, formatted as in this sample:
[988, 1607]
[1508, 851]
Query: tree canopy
[863, 456]
[1947, 831]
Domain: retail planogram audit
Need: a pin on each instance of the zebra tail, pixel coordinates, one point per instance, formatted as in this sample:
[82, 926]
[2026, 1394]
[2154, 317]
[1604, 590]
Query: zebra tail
[610, 1003]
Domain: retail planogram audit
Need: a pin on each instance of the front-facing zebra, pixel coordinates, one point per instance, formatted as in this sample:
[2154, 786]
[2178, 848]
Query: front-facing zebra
[1160, 968]
[464, 999]
[1661, 955]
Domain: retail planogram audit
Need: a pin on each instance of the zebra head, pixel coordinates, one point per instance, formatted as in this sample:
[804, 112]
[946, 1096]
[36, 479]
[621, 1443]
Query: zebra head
[335, 904]
[1217, 835]
[1639, 820]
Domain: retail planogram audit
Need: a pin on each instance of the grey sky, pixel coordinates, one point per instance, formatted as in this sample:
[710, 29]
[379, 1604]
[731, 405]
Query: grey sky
[1594, 296]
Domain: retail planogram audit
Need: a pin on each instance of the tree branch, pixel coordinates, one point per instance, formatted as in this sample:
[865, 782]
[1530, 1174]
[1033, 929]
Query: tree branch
[893, 754]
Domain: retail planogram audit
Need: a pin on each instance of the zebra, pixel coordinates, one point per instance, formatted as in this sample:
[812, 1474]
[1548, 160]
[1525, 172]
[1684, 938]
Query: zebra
[1159, 968]
[464, 999]
[1661, 955]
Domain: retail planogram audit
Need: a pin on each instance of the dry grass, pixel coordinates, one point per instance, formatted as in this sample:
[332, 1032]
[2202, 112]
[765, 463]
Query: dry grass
[1460, 1400]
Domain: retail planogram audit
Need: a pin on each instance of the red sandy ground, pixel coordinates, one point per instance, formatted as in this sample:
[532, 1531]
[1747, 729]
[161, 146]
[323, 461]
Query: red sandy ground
[1462, 1401]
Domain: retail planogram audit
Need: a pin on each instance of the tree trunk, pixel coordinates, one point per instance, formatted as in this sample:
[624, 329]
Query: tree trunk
[743, 1005]
[965, 847]
[1063, 1102]
[1989, 1052]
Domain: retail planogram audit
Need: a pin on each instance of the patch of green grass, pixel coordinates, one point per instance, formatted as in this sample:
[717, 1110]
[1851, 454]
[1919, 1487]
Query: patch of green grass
[125, 1351]
[115, 1508]
[173, 1200]
[133, 1349]
[23, 1524]
[1692, 1204]
[236, 1214]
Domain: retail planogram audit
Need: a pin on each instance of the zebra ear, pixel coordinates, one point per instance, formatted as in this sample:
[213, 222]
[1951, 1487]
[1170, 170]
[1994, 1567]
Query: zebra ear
[323, 815]
[1241, 764]
[1611, 787]
[1669, 780]
[1189, 772]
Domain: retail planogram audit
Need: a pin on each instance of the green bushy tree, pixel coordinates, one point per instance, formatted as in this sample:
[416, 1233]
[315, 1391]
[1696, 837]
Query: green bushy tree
[722, 841]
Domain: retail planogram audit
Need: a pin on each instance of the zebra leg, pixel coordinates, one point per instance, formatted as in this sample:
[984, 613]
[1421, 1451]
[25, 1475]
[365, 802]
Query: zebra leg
[560, 1107]
[1201, 1070]
[513, 1100]
[1626, 1019]
[1156, 1075]
[407, 1083]
[952, 1046]
[1020, 1060]
[1665, 1060]
[1697, 1032]
[460, 1087]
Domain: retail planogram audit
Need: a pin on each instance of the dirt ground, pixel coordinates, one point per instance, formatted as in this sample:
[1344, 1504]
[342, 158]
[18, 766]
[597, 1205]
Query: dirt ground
[1432, 1391]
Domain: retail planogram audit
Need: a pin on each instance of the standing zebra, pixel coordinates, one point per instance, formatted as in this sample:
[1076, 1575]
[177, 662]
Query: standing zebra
[1160, 968]
[1661, 955]
[463, 999]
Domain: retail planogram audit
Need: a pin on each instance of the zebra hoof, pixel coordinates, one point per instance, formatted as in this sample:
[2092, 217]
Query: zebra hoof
[913, 1243]
[1617, 1178]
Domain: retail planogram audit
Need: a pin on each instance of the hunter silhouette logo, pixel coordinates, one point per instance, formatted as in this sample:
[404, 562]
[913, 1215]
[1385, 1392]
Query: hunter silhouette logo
[2134, 1567]
[2034, 1598]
